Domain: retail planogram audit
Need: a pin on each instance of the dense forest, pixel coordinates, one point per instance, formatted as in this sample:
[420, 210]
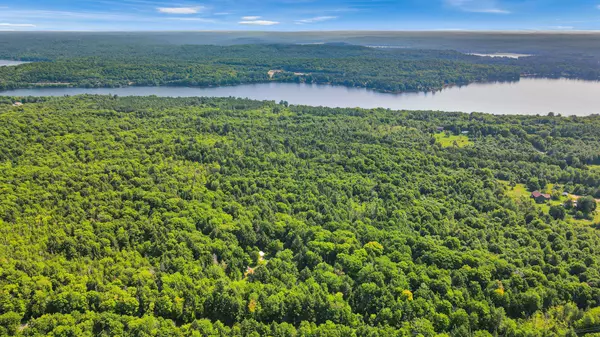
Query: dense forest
[106, 60]
[230, 217]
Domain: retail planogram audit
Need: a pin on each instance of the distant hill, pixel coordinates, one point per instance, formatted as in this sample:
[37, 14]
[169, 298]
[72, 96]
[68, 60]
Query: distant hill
[576, 43]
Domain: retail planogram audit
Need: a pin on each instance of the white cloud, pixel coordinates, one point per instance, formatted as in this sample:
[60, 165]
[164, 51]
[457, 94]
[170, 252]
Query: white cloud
[490, 11]
[180, 10]
[17, 25]
[64, 15]
[250, 18]
[477, 6]
[194, 19]
[562, 27]
[316, 19]
[258, 23]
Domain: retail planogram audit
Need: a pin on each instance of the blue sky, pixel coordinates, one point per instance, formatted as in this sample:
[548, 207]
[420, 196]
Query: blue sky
[294, 15]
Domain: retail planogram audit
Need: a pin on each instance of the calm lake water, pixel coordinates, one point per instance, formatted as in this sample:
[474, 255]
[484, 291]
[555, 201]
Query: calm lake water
[507, 55]
[528, 96]
[10, 63]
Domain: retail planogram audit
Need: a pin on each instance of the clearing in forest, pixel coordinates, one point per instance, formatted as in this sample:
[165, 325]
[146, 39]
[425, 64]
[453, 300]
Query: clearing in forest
[447, 140]
[273, 72]
[519, 191]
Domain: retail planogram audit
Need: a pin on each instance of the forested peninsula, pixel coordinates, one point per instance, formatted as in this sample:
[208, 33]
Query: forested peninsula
[67, 60]
[229, 217]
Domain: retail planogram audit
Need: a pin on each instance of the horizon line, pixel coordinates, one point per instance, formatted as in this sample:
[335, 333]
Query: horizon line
[515, 31]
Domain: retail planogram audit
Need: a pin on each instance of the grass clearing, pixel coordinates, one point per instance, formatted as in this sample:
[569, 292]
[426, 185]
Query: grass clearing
[446, 140]
[520, 191]
[596, 220]
[517, 192]
[594, 167]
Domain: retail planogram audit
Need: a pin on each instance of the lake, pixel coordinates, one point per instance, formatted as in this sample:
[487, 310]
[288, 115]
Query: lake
[4, 63]
[527, 96]
[507, 55]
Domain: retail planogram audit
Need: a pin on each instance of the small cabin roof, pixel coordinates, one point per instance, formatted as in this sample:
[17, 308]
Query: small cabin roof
[537, 194]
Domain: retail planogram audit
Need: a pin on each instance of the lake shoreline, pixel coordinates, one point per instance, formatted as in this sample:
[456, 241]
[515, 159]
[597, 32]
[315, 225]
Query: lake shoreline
[528, 96]
[71, 86]
[12, 63]
[515, 56]
[274, 81]
[445, 86]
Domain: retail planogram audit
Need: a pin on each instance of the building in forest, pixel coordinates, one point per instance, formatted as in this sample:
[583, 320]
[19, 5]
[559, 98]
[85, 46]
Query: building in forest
[540, 197]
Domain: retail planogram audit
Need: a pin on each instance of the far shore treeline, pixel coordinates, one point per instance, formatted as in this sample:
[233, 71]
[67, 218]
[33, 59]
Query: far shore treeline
[112, 60]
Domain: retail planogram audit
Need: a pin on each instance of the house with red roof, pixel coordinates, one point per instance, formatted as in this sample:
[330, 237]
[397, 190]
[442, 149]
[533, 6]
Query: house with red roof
[540, 197]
